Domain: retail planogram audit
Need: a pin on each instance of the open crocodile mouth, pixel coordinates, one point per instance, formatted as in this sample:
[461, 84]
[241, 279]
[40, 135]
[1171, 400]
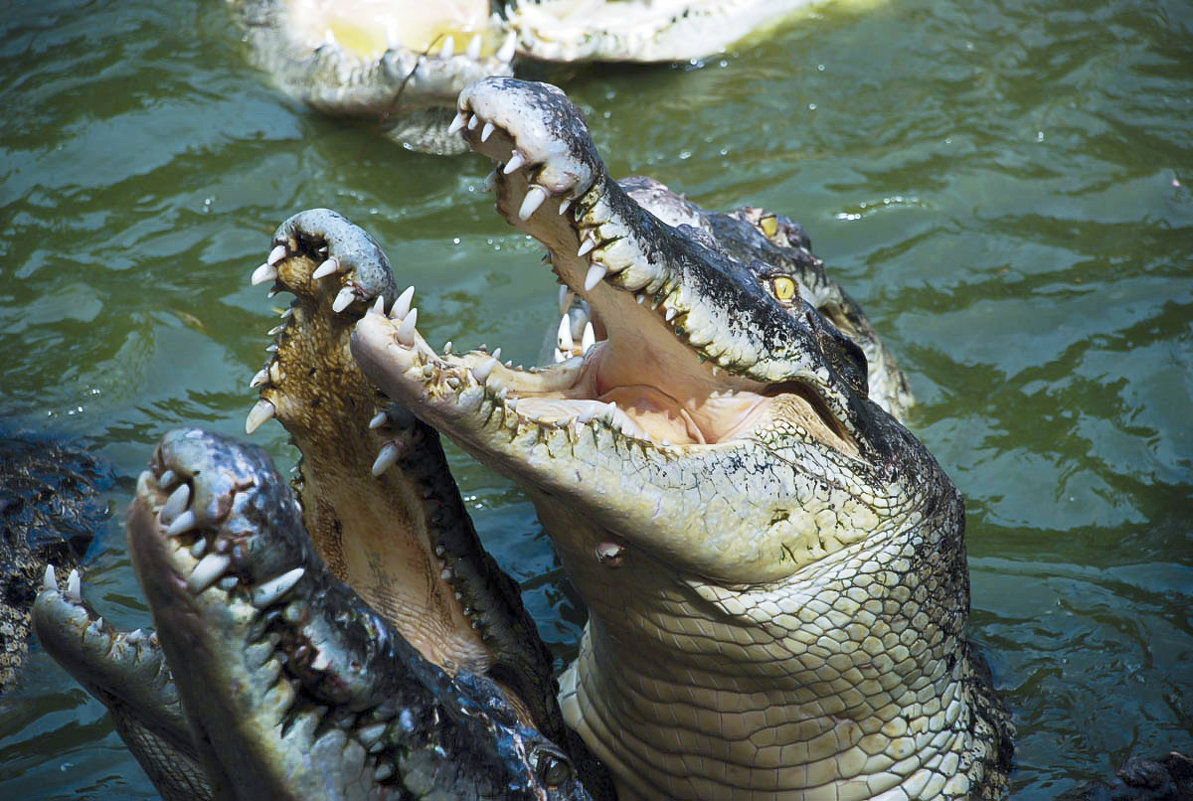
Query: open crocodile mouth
[665, 368]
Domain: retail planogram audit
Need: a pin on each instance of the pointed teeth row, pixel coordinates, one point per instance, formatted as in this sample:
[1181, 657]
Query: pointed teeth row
[74, 587]
[49, 581]
[565, 343]
[262, 410]
[379, 419]
[276, 255]
[270, 592]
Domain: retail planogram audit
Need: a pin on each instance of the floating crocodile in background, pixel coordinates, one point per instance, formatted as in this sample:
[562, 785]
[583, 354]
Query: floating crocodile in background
[50, 509]
[774, 568]
[404, 62]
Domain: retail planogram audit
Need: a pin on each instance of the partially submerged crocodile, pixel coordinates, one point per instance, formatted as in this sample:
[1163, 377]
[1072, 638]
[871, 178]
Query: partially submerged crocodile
[785, 561]
[50, 509]
[774, 568]
[393, 525]
[404, 62]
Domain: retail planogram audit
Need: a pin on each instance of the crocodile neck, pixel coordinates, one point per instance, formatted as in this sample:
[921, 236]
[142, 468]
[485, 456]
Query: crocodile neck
[686, 688]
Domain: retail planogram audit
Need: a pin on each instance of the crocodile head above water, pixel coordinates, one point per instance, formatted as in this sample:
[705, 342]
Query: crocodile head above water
[293, 686]
[774, 567]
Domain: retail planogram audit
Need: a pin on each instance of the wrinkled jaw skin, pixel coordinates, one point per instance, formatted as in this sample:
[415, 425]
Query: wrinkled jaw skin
[294, 688]
[774, 568]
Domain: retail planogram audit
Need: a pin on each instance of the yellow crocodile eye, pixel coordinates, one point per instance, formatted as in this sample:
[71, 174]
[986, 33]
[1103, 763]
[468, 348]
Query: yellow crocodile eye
[769, 225]
[784, 287]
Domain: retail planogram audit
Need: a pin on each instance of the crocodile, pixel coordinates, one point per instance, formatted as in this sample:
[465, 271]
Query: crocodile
[403, 63]
[51, 507]
[293, 686]
[392, 524]
[774, 567]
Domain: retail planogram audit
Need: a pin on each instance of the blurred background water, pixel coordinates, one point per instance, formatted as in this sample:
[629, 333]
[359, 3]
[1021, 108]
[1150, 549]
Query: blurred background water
[1005, 186]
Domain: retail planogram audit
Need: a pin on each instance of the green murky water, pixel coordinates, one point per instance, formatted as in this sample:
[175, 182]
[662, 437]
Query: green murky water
[1004, 185]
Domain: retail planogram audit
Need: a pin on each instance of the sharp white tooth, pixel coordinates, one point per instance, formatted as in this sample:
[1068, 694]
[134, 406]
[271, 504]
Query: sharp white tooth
[277, 329]
[565, 205]
[564, 336]
[474, 47]
[371, 733]
[401, 306]
[497, 354]
[481, 373]
[266, 272]
[287, 313]
[262, 410]
[209, 570]
[343, 300]
[566, 296]
[512, 404]
[514, 163]
[487, 131]
[586, 246]
[378, 420]
[473, 122]
[199, 548]
[447, 348]
[270, 592]
[183, 523]
[386, 457]
[506, 51]
[406, 330]
[329, 267]
[449, 47]
[49, 581]
[260, 378]
[641, 299]
[277, 254]
[530, 204]
[74, 587]
[145, 483]
[167, 480]
[176, 504]
[378, 306]
[458, 122]
[135, 637]
[559, 357]
[596, 274]
[272, 347]
[589, 337]
[670, 314]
